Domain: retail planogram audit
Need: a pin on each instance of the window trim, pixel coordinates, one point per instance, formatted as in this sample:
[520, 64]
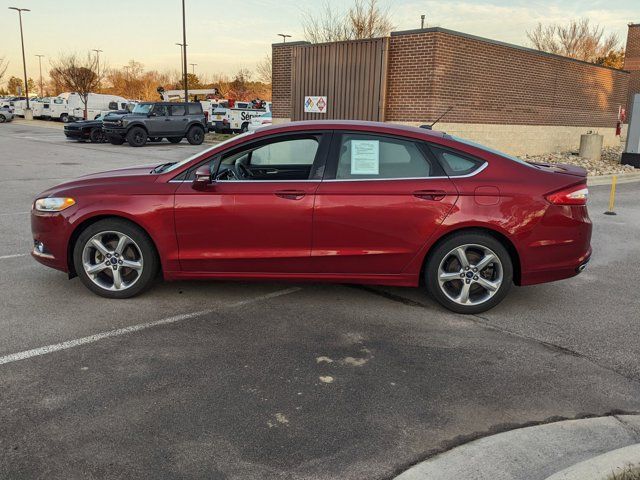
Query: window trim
[331, 169]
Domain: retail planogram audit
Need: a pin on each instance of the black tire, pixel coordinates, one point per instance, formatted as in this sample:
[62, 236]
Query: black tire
[142, 241]
[64, 118]
[115, 140]
[2, 118]
[442, 253]
[245, 127]
[195, 135]
[137, 137]
[96, 135]
[174, 139]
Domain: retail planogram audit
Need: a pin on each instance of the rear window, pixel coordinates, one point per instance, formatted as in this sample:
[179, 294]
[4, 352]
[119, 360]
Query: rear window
[456, 164]
[194, 108]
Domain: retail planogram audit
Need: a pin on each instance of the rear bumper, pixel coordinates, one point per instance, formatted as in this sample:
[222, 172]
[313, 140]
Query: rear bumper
[561, 248]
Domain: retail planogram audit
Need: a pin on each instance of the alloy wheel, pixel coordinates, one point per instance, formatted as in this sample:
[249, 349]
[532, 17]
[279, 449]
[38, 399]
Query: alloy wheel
[470, 274]
[112, 260]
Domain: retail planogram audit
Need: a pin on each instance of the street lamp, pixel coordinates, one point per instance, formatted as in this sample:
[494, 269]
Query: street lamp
[284, 37]
[422, 21]
[24, 62]
[181, 59]
[184, 55]
[97, 50]
[40, 63]
[193, 68]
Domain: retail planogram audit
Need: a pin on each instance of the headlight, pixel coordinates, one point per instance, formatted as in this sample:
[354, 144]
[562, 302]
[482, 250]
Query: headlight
[53, 204]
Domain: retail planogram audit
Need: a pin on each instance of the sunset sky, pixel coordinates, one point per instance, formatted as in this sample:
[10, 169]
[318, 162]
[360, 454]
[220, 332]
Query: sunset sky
[225, 35]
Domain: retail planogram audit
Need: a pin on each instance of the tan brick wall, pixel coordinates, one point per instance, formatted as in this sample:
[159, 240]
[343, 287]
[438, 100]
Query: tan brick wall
[632, 61]
[490, 82]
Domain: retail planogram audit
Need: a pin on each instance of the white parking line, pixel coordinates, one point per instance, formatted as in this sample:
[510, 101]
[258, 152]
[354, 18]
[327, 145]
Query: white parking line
[15, 255]
[14, 213]
[15, 357]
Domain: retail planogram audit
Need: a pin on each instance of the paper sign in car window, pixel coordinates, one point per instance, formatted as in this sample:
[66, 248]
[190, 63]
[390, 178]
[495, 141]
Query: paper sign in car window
[365, 157]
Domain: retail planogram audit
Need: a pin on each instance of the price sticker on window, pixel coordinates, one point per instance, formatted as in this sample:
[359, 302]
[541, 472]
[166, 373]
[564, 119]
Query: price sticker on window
[365, 157]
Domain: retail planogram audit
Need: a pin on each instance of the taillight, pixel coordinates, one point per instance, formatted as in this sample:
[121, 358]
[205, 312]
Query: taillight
[575, 195]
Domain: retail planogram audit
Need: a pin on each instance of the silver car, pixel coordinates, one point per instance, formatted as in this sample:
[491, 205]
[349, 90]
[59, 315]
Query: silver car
[5, 115]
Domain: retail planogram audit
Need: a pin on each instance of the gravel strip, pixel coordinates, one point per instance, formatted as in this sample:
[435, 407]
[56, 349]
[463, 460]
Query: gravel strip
[609, 164]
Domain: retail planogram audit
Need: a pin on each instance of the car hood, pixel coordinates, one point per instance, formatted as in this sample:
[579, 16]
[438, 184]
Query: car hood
[84, 123]
[114, 117]
[104, 181]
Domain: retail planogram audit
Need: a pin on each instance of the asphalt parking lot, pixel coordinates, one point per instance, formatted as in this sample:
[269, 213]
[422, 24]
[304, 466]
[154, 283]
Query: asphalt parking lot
[227, 380]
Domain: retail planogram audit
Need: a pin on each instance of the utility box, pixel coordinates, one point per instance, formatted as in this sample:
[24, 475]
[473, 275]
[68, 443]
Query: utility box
[631, 155]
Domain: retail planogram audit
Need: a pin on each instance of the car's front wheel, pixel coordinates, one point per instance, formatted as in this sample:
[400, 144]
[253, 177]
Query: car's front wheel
[2, 118]
[96, 135]
[115, 258]
[137, 137]
[469, 272]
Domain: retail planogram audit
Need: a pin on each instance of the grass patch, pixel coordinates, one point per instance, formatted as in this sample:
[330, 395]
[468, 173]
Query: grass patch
[219, 137]
[626, 474]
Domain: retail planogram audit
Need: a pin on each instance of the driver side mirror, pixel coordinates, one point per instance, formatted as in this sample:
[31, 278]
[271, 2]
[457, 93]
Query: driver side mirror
[203, 178]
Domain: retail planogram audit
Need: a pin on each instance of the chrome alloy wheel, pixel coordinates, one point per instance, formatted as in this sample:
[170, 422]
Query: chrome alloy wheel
[470, 274]
[112, 260]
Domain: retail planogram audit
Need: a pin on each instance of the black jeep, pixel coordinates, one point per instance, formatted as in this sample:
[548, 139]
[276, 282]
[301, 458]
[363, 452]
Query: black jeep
[155, 120]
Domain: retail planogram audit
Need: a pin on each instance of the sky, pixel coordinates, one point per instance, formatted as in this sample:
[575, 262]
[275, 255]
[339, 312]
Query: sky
[226, 35]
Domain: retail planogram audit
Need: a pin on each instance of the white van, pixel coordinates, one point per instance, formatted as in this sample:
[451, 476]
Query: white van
[41, 107]
[69, 106]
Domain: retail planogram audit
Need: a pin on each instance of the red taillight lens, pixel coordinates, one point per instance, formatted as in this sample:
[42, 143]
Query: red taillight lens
[576, 195]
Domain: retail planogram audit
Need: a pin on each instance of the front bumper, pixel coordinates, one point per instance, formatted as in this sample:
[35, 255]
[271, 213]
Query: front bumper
[75, 134]
[50, 232]
[111, 131]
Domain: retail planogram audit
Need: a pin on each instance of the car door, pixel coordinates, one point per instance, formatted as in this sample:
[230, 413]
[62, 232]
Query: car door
[381, 199]
[259, 221]
[158, 121]
[177, 119]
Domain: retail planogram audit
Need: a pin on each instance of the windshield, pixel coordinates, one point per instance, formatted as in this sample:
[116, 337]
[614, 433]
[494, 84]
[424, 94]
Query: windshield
[491, 150]
[176, 165]
[143, 108]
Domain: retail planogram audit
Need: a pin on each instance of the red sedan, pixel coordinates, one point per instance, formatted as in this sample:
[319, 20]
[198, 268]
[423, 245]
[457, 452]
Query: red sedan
[359, 202]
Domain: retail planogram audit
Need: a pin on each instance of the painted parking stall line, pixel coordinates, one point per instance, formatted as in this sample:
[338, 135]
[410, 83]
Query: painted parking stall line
[36, 352]
[15, 255]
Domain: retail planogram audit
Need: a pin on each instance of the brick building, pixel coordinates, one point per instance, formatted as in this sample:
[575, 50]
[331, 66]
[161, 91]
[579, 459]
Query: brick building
[510, 97]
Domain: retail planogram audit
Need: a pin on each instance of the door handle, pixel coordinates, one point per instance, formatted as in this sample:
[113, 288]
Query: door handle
[290, 194]
[435, 195]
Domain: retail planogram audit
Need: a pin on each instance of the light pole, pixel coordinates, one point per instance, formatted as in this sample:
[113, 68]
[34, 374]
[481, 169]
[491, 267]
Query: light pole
[40, 64]
[97, 50]
[284, 37]
[184, 55]
[24, 62]
[193, 68]
[422, 22]
[181, 60]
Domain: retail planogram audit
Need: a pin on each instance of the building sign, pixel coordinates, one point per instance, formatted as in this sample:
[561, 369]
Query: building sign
[315, 104]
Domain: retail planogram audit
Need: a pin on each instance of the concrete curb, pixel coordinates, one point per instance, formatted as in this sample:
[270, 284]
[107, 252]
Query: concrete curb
[531, 453]
[602, 466]
[607, 179]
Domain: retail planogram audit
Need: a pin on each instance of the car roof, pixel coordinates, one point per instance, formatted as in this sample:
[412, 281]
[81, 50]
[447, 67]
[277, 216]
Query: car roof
[377, 127]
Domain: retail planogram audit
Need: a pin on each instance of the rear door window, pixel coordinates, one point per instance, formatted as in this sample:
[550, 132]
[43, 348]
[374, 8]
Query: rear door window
[178, 110]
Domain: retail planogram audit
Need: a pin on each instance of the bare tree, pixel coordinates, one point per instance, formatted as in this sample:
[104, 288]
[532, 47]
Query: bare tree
[364, 19]
[578, 39]
[263, 70]
[3, 68]
[77, 74]
[367, 20]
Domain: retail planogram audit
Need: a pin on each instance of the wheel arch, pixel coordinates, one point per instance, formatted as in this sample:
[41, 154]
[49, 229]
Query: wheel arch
[137, 124]
[499, 236]
[85, 223]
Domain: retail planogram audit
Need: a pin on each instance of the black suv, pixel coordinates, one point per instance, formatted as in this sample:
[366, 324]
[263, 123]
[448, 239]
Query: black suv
[155, 120]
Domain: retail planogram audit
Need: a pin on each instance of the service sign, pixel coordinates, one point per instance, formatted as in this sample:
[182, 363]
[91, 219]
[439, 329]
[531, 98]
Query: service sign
[315, 104]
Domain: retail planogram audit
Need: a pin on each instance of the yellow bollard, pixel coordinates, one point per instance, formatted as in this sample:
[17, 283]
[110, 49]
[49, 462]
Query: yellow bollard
[612, 197]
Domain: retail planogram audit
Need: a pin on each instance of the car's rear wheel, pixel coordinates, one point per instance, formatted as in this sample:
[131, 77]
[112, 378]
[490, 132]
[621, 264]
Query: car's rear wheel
[195, 135]
[64, 118]
[469, 272]
[115, 259]
[174, 139]
[137, 137]
[96, 135]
